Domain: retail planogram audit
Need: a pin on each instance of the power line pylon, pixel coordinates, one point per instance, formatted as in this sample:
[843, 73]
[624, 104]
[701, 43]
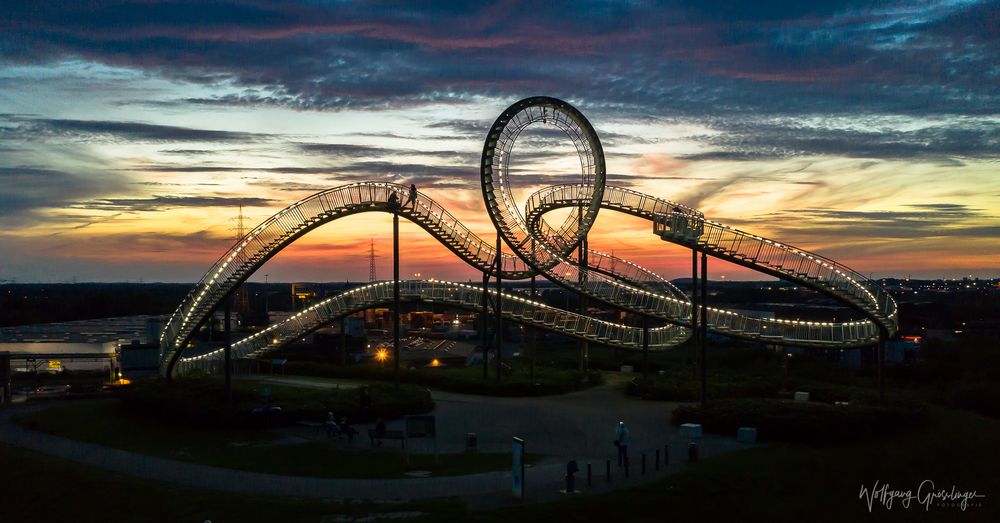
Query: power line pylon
[241, 303]
[371, 262]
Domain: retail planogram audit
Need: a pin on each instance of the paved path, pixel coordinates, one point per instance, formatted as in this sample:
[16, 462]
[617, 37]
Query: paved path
[572, 426]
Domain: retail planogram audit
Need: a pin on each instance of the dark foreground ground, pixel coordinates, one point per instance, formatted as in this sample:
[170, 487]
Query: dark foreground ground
[787, 482]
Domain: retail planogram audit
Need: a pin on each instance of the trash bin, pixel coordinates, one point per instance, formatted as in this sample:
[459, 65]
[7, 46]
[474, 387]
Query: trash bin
[470, 441]
[692, 452]
[571, 469]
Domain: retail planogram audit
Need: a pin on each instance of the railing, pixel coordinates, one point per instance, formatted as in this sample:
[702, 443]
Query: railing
[245, 256]
[268, 237]
[460, 295]
[687, 226]
[782, 260]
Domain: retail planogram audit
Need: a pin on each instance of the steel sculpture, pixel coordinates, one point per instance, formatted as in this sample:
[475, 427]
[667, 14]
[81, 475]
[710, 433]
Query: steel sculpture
[539, 249]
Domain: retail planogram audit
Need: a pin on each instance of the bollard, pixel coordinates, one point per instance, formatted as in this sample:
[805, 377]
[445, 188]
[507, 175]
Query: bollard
[608, 471]
[666, 455]
[589, 477]
[657, 467]
[643, 470]
[692, 452]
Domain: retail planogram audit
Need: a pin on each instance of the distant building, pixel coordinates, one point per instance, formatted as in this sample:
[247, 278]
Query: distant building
[303, 295]
[139, 360]
[421, 320]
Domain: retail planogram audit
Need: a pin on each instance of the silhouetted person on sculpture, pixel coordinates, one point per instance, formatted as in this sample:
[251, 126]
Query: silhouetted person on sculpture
[393, 202]
[412, 198]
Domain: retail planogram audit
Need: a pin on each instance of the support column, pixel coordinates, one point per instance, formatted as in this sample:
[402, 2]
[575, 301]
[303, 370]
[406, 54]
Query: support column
[228, 351]
[395, 297]
[531, 332]
[343, 341]
[695, 333]
[645, 349]
[499, 302]
[5, 383]
[582, 280]
[880, 356]
[484, 325]
[703, 324]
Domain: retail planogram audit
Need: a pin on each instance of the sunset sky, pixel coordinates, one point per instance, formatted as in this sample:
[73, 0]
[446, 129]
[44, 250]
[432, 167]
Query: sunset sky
[130, 132]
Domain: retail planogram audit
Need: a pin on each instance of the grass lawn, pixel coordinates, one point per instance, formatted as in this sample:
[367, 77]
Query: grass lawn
[105, 422]
[38, 488]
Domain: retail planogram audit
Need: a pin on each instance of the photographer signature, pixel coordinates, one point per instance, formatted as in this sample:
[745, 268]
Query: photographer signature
[927, 494]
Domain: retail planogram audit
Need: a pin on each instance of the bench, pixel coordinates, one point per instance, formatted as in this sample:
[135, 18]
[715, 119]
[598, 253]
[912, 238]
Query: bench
[389, 434]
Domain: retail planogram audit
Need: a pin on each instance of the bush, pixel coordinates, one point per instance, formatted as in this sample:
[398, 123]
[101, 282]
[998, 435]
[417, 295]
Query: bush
[983, 397]
[682, 387]
[820, 392]
[201, 402]
[805, 422]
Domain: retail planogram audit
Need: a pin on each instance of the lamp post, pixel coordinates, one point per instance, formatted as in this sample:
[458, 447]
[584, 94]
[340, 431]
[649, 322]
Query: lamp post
[695, 334]
[228, 352]
[704, 328]
[395, 295]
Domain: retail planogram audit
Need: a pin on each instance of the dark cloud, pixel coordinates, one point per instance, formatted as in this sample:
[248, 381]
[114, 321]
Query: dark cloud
[26, 189]
[467, 128]
[189, 152]
[668, 58]
[162, 203]
[23, 128]
[425, 176]
[741, 139]
[341, 150]
[923, 221]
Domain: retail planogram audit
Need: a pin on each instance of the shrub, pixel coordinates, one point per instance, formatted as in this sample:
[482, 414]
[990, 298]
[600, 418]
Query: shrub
[982, 397]
[682, 387]
[468, 380]
[806, 422]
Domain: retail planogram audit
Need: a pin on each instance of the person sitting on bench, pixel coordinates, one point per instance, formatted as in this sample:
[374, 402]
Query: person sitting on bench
[346, 428]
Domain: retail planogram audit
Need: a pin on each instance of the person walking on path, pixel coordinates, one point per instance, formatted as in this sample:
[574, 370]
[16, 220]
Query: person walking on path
[366, 399]
[412, 198]
[347, 429]
[622, 441]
